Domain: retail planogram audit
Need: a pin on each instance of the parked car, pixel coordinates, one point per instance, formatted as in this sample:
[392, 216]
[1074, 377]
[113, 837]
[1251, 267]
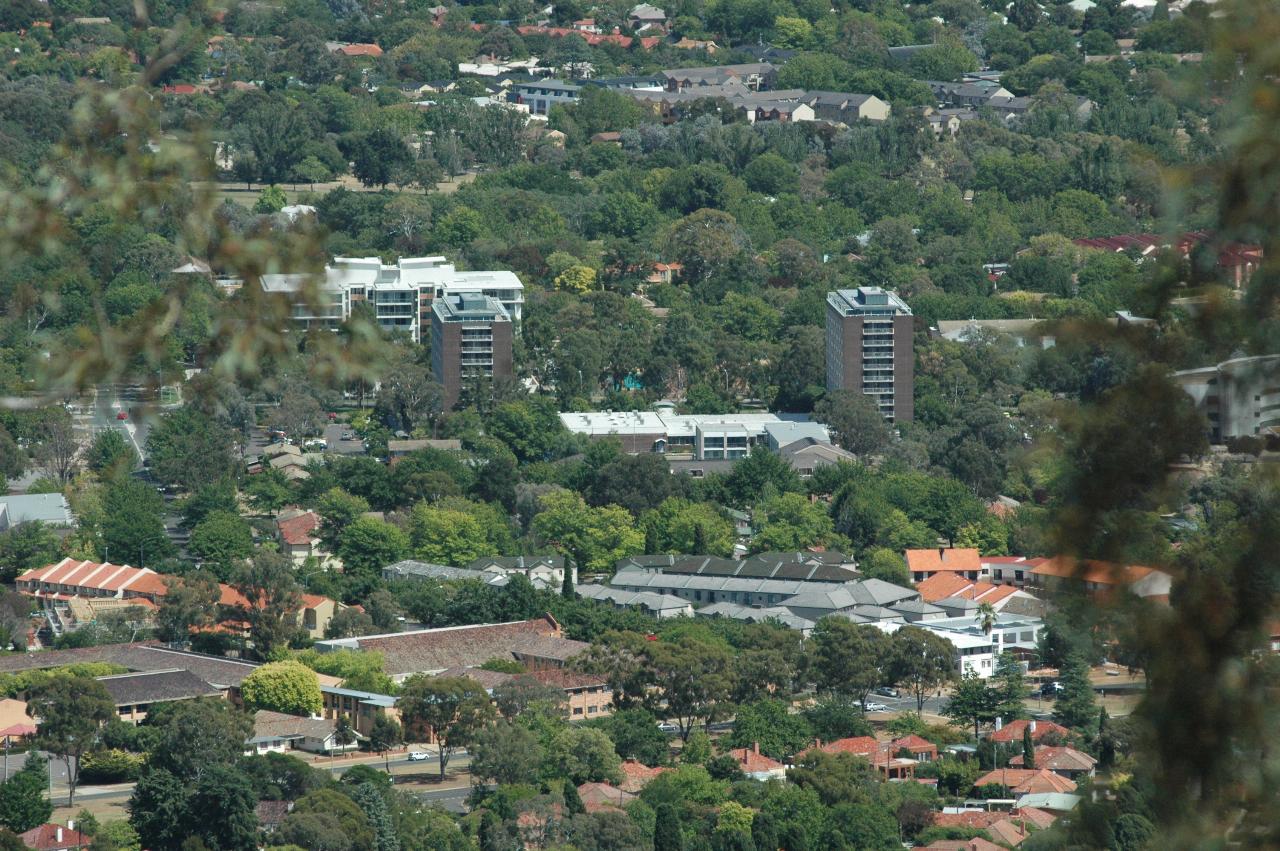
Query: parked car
[886, 691]
[418, 756]
[1052, 689]
[877, 707]
[122, 415]
[346, 435]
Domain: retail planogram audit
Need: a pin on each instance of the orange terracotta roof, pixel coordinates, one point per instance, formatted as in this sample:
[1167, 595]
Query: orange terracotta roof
[1009, 832]
[940, 586]
[636, 775]
[1097, 572]
[360, 50]
[1012, 732]
[1027, 780]
[858, 745]
[54, 837]
[1033, 815]
[934, 560]
[1059, 758]
[977, 819]
[751, 761]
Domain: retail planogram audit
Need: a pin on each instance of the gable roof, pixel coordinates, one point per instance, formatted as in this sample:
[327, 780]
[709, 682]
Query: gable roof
[1012, 732]
[934, 560]
[1027, 780]
[298, 530]
[45, 507]
[432, 650]
[596, 795]
[636, 775]
[1059, 758]
[751, 761]
[279, 725]
[51, 837]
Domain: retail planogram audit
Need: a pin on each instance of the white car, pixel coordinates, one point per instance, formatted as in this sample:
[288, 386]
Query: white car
[877, 707]
[418, 756]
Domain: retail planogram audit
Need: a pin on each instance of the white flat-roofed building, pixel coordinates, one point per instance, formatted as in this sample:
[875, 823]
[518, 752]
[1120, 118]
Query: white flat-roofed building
[399, 294]
[503, 286]
[699, 436]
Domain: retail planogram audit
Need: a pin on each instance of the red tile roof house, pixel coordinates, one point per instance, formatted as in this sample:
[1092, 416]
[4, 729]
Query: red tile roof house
[885, 756]
[1063, 760]
[55, 837]
[922, 564]
[1012, 732]
[1026, 781]
[756, 765]
[636, 775]
[298, 533]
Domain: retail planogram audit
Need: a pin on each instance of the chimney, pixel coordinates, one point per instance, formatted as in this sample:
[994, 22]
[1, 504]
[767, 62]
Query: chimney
[999, 723]
[1032, 725]
[942, 553]
[58, 836]
[755, 748]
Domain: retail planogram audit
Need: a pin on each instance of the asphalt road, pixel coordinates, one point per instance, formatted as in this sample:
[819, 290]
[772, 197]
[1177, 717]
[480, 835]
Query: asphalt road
[333, 437]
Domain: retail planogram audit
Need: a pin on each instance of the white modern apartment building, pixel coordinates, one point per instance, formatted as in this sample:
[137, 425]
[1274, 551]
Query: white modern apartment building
[719, 437]
[400, 294]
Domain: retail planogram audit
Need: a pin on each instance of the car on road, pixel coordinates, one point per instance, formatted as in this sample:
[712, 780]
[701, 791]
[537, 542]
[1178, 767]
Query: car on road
[886, 691]
[346, 435]
[418, 756]
[877, 707]
[669, 729]
[122, 415]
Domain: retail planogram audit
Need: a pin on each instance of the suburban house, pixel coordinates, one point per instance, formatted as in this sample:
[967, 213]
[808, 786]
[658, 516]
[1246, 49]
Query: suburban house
[1067, 761]
[645, 15]
[756, 76]
[277, 732]
[921, 750]
[1026, 781]
[538, 644]
[135, 693]
[598, 796]
[922, 564]
[585, 695]
[846, 108]
[297, 530]
[810, 453]
[1012, 732]
[1100, 579]
[55, 837]
[636, 775]
[756, 765]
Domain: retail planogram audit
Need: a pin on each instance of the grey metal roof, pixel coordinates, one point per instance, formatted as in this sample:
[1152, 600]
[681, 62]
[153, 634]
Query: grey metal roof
[650, 600]
[636, 577]
[46, 507]
[756, 615]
